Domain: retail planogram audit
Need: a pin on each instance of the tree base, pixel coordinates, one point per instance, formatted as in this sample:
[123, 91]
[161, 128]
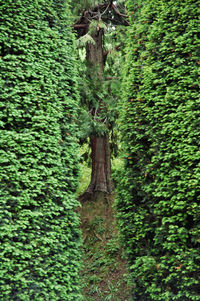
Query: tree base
[96, 196]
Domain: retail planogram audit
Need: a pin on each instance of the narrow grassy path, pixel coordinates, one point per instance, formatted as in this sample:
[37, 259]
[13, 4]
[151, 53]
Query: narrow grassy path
[104, 275]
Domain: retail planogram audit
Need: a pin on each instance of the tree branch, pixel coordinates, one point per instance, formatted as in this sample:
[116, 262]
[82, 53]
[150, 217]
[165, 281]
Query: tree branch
[80, 26]
[102, 9]
[118, 12]
[106, 10]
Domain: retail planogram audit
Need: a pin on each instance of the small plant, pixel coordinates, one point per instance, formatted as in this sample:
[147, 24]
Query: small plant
[113, 289]
[93, 279]
[96, 290]
[113, 246]
[98, 225]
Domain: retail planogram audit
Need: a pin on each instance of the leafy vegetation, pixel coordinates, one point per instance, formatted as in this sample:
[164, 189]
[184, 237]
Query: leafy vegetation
[41, 120]
[158, 201]
[39, 238]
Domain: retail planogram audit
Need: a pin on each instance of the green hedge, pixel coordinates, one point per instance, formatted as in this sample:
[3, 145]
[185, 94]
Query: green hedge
[159, 192]
[39, 237]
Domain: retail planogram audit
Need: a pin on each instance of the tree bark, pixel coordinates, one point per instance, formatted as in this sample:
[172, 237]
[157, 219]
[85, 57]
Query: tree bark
[101, 167]
[94, 53]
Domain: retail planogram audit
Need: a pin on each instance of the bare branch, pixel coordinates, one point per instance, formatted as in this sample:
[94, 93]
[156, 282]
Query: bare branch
[105, 120]
[107, 8]
[80, 26]
[97, 12]
[118, 12]
[95, 113]
[98, 236]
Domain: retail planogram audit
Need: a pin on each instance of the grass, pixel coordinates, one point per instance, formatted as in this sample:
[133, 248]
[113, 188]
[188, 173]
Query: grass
[84, 178]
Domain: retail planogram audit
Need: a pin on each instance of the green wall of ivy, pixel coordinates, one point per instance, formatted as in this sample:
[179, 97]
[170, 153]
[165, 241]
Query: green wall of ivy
[39, 237]
[159, 201]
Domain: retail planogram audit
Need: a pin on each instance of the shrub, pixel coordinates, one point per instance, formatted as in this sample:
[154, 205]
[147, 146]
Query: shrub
[39, 238]
[158, 203]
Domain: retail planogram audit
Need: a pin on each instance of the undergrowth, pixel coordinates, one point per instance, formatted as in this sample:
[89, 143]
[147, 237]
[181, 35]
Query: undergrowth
[104, 275]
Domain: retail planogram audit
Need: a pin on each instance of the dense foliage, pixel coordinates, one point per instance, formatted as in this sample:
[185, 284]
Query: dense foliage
[159, 200]
[39, 238]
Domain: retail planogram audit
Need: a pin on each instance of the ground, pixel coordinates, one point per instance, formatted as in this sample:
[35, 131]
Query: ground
[104, 274]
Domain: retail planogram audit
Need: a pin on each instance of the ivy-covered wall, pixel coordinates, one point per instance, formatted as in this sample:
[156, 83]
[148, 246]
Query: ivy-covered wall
[39, 237]
[159, 189]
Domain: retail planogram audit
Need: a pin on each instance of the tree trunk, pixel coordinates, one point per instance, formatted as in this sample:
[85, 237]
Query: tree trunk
[101, 167]
[100, 183]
